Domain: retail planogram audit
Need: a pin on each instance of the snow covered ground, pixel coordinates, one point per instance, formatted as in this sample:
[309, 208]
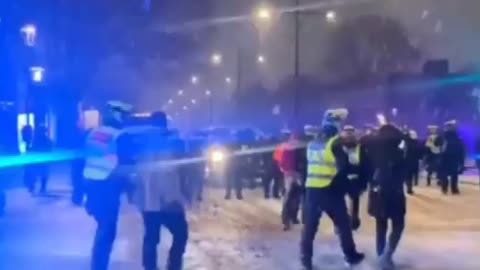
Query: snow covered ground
[443, 233]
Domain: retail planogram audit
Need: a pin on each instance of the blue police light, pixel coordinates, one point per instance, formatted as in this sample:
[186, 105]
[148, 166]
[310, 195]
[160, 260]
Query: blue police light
[37, 74]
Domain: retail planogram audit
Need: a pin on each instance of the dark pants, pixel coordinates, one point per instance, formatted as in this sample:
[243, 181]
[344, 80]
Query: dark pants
[432, 167]
[104, 238]
[409, 182]
[199, 182]
[268, 188]
[449, 179]
[234, 181]
[103, 203]
[412, 176]
[176, 223]
[78, 184]
[291, 204]
[478, 169]
[398, 224]
[34, 173]
[354, 209]
[318, 201]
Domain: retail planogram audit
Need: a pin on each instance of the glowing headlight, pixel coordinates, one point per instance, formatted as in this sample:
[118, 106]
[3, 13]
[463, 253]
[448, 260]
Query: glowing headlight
[217, 156]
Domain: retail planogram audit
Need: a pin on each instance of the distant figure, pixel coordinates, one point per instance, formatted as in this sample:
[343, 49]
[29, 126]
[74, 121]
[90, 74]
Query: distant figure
[452, 158]
[27, 139]
[477, 155]
[41, 144]
[289, 165]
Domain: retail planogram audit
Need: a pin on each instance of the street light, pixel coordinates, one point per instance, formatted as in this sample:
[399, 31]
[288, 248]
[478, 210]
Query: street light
[331, 16]
[180, 92]
[216, 59]
[194, 79]
[29, 32]
[208, 93]
[170, 101]
[263, 14]
[37, 74]
[193, 101]
[261, 59]
[228, 80]
[185, 108]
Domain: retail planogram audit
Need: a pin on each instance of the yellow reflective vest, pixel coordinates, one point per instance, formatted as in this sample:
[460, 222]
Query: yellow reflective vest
[322, 165]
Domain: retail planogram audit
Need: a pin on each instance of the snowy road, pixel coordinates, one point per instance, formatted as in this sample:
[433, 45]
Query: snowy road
[443, 233]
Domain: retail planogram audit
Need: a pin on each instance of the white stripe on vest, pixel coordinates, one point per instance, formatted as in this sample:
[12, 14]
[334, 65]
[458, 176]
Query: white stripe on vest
[101, 150]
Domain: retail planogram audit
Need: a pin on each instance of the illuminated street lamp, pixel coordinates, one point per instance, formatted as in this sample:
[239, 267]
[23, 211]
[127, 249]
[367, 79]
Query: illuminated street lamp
[193, 101]
[260, 59]
[331, 16]
[208, 93]
[170, 101]
[263, 14]
[216, 59]
[37, 74]
[228, 80]
[180, 92]
[185, 108]
[29, 32]
[194, 79]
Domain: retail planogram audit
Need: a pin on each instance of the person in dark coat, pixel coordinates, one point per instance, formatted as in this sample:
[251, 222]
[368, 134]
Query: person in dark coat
[452, 158]
[235, 172]
[41, 144]
[432, 153]
[477, 156]
[413, 155]
[387, 200]
[270, 171]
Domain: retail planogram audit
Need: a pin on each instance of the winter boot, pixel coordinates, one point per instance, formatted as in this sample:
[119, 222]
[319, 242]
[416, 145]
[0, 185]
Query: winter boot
[355, 259]
[386, 262]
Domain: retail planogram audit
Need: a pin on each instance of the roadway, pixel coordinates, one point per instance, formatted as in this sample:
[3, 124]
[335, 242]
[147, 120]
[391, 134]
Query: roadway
[40, 233]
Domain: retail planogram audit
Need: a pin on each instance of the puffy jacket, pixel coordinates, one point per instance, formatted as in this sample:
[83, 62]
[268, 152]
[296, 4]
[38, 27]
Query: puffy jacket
[287, 156]
[157, 182]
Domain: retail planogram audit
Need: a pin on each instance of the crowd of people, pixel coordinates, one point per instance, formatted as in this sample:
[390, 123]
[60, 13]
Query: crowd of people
[335, 162]
[314, 171]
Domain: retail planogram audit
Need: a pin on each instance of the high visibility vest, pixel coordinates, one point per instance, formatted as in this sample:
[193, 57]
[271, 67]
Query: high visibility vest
[431, 144]
[322, 165]
[101, 151]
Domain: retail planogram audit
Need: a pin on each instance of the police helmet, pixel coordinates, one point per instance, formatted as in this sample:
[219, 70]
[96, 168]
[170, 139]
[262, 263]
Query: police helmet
[451, 123]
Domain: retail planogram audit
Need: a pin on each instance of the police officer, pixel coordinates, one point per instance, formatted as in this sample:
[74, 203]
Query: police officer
[160, 192]
[433, 152]
[451, 159]
[326, 188]
[387, 200]
[104, 181]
